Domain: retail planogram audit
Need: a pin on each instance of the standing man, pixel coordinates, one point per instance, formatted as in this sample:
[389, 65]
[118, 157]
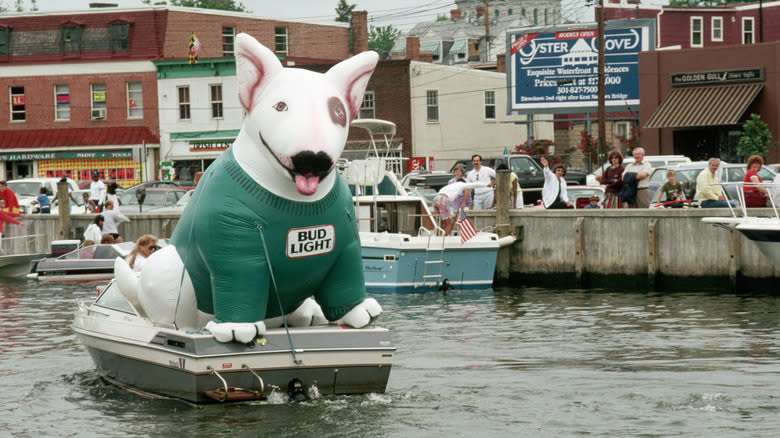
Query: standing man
[8, 195]
[708, 191]
[97, 192]
[483, 196]
[642, 170]
[112, 218]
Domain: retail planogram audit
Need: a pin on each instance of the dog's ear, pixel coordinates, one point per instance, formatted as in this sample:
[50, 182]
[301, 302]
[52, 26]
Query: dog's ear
[255, 65]
[351, 76]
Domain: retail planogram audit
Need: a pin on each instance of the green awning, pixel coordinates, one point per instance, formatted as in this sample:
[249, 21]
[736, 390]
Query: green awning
[431, 46]
[459, 46]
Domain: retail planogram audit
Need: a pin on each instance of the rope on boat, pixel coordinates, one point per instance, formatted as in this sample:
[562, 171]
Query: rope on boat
[276, 292]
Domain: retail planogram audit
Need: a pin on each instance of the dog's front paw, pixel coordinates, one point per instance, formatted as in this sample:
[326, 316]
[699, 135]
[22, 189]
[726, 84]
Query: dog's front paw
[309, 313]
[361, 314]
[236, 331]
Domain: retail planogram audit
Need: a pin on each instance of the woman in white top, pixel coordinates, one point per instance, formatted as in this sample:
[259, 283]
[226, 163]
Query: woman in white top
[144, 247]
[111, 194]
[554, 193]
[442, 203]
[94, 231]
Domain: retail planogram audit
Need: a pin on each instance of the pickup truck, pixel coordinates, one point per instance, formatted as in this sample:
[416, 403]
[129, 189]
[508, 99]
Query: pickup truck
[529, 174]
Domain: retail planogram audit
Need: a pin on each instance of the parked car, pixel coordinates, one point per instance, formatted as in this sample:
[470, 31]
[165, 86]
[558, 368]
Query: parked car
[465, 163]
[28, 189]
[433, 179]
[155, 184]
[529, 174]
[155, 198]
[656, 161]
[179, 206]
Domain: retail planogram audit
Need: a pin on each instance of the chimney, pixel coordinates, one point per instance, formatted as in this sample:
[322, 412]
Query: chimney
[455, 14]
[480, 11]
[360, 31]
[413, 48]
[614, 2]
[501, 63]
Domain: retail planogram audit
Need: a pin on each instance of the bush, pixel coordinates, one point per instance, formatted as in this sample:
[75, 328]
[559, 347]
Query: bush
[756, 138]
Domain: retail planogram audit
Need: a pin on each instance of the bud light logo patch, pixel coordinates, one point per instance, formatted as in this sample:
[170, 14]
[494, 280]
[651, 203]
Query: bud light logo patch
[310, 241]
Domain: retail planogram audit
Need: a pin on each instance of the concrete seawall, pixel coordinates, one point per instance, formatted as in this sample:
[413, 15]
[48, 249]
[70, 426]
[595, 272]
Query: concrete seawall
[588, 248]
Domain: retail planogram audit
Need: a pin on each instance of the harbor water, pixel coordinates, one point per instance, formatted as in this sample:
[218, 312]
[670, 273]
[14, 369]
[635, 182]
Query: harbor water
[514, 361]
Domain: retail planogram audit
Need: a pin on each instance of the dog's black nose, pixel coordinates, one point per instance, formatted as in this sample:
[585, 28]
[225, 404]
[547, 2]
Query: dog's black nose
[309, 163]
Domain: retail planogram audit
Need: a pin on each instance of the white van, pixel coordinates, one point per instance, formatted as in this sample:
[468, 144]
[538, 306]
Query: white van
[28, 189]
[654, 160]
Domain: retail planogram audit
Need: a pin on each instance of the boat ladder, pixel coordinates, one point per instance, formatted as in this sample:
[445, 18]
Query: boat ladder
[230, 393]
[433, 258]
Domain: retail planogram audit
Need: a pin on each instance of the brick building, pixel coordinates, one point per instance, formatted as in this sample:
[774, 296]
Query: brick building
[82, 85]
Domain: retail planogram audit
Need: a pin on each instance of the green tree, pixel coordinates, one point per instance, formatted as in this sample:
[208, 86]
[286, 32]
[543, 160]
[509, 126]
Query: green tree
[223, 5]
[756, 138]
[382, 39]
[18, 6]
[344, 11]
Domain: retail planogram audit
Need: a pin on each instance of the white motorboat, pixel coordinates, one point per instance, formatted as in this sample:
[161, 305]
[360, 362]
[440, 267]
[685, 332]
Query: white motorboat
[90, 263]
[19, 255]
[157, 361]
[764, 232]
[404, 249]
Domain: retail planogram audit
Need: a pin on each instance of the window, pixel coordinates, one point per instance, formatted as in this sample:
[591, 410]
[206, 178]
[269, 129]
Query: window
[367, 107]
[5, 41]
[71, 38]
[496, 13]
[98, 100]
[490, 105]
[545, 16]
[696, 32]
[228, 38]
[17, 104]
[216, 101]
[432, 105]
[623, 129]
[61, 102]
[119, 39]
[280, 36]
[717, 28]
[184, 102]
[509, 11]
[747, 30]
[536, 16]
[135, 100]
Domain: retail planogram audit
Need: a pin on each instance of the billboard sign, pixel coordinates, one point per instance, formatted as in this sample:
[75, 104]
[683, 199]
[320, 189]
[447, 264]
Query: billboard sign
[556, 70]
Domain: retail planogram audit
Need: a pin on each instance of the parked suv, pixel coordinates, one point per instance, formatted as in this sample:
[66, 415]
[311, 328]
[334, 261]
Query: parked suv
[28, 189]
[529, 174]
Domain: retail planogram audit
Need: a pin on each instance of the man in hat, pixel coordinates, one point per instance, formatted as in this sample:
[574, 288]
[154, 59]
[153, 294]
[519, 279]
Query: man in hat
[594, 201]
[97, 192]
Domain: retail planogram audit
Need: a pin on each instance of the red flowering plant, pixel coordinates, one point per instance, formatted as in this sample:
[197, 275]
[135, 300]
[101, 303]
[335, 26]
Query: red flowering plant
[537, 148]
[628, 143]
[589, 147]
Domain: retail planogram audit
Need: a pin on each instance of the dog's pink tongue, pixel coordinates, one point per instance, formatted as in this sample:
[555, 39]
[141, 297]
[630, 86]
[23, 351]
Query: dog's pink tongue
[306, 185]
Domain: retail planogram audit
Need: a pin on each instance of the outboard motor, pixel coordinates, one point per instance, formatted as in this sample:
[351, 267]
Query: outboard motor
[296, 391]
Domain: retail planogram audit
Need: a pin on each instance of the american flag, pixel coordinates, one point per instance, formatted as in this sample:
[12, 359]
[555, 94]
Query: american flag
[465, 227]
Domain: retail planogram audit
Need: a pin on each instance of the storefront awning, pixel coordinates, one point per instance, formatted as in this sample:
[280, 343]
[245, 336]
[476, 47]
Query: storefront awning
[704, 106]
[48, 138]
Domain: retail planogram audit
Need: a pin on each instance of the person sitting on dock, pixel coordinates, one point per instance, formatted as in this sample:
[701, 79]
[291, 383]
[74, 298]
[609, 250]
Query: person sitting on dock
[443, 202]
[708, 192]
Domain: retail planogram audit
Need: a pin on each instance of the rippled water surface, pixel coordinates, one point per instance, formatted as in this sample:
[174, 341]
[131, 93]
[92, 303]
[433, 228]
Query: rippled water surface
[530, 361]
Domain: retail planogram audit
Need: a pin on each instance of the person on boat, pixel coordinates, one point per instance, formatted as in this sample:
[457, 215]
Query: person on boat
[443, 202]
[755, 194]
[515, 192]
[593, 202]
[708, 191]
[144, 247]
[111, 194]
[42, 200]
[94, 230]
[112, 218]
[97, 192]
[672, 190]
[483, 196]
[612, 178]
[8, 195]
[464, 199]
[554, 193]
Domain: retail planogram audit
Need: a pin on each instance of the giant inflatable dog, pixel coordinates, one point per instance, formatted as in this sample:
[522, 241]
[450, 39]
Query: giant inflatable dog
[270, 223]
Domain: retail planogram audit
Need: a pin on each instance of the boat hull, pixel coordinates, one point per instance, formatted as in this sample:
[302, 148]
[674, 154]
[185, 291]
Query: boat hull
[765, 233]
[132, 353]
[65, 270]
[408, 264]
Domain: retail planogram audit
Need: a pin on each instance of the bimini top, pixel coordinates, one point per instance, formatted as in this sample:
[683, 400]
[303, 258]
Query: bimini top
[374, 126]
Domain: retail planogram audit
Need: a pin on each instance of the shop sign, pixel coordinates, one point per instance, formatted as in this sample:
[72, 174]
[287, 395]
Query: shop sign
[717, 77]
[209, 146]
[27, 156]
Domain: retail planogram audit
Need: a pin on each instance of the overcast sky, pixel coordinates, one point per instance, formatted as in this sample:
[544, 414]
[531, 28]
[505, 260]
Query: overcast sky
[402, 14]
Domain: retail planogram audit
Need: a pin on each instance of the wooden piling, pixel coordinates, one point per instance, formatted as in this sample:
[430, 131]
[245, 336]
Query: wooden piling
[503, 226]
[652, 252]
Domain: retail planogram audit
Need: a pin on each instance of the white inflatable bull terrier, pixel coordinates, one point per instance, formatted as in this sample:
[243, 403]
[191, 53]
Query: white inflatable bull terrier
[270, 223]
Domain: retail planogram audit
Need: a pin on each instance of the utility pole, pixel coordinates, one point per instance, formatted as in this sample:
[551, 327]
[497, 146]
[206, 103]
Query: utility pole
[487, 32]
[602, 100]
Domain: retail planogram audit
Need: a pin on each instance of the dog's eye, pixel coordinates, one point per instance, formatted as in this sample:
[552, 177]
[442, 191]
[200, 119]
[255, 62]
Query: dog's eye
[280, 106]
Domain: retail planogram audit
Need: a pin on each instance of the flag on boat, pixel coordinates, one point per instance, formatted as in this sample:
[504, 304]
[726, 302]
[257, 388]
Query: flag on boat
[465, 227]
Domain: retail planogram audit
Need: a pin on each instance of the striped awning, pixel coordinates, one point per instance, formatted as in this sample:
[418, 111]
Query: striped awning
[704, 106]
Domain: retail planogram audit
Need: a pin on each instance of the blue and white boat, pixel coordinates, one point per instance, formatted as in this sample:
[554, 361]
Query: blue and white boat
[404, 249]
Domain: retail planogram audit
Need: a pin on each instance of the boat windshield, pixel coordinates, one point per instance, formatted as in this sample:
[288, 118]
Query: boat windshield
[92, 252]
[112, 298]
